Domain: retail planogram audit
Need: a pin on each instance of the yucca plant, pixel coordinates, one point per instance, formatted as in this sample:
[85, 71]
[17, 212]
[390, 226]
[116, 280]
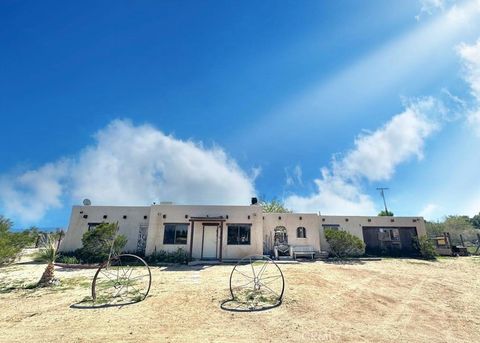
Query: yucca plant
[48, 253]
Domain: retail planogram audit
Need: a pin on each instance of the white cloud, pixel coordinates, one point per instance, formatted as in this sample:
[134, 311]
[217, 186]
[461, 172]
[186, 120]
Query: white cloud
[139, 164]
[429, 212]
[294, 177]
[470, 55]
[256, 172]
[375, 157]
[473, 119]
[430, 7]
[30, 194]
[130, 165]
[297, 172]
[334, 195]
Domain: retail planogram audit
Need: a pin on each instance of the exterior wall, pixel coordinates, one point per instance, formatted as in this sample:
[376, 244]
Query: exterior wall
[291, 221]
[262, 226]
[165, 214]
[129, 227]
[355, 224]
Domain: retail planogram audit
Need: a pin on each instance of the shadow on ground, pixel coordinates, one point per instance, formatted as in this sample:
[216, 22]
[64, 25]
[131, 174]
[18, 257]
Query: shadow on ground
[180, 267]
[349, 261]
[89, 305]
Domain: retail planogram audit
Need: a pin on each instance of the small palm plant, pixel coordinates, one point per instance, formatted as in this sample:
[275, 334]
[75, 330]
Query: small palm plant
[48, 253]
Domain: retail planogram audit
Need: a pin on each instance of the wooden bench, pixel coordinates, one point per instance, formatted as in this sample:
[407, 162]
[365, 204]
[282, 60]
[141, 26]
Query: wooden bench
[302, 250]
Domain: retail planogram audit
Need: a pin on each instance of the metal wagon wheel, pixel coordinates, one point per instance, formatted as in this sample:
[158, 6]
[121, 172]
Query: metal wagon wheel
[125, 278]
[256, 284]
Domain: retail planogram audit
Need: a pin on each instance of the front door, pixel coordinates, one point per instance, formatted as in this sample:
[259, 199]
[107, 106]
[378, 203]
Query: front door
[142, 239]
[210, 238]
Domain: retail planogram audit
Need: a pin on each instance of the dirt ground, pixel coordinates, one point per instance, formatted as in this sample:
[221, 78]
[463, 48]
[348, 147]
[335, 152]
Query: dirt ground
[390, 300]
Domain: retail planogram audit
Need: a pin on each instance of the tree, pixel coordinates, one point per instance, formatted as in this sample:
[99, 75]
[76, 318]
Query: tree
[274, 206]
[384, 213]
[48, 253]
[102, 240]
[344, 244]
[5, 224]
[476, 221]
[11, 243]
[435, 228]
[460, 225]
[456, 226]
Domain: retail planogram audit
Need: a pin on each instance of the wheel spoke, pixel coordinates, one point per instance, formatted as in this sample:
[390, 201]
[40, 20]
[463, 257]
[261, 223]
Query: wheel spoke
[262, 270]
[240, 304]
[244, 286]
[127, 279]
[276, 277]
[139, 277]
[121, 266]
[122, 280]
[253, 269]
[106, 274]
[249, 277]
[271, 290]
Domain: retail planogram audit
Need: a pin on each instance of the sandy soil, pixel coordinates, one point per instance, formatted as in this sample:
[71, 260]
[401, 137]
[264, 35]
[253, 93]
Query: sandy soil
[375, 301]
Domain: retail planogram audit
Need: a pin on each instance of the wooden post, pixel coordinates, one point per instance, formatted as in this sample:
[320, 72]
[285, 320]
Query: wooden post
[446, 236]
[191, 238]
[221, 240]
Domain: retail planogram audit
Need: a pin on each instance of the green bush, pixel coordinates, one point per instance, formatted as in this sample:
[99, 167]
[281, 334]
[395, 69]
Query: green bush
[97, 243]
[48, 251]
[425, 248]
[12, 243]
[343, 244]
[179, 256]
[68, 259]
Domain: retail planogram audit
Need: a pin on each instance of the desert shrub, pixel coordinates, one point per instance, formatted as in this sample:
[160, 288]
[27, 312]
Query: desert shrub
[68, 259]
[97, 243]
[179, 256]
[344, 244]
[425, 248]
[12, 243]
[48, 254]
[48, 251]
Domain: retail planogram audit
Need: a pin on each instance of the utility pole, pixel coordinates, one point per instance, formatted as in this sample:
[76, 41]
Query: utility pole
[382, 189]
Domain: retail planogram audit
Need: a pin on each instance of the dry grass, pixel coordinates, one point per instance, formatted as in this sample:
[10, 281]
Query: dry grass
[376, 301]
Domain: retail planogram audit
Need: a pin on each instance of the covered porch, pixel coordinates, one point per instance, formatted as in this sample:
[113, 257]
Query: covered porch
[206, 238]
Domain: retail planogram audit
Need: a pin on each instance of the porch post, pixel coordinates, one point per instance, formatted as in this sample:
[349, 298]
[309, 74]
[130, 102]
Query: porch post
[221, 240]
[191, 238]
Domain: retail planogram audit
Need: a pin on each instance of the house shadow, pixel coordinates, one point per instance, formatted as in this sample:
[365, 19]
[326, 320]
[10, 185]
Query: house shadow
[348, 261]
[66, 270]
[307, 260]
[180, 267]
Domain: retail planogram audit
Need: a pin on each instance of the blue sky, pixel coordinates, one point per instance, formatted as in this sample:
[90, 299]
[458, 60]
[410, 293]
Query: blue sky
[315, 103]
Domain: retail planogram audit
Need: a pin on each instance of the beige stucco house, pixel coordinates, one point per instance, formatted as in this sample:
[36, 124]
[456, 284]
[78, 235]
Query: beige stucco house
[232, 232]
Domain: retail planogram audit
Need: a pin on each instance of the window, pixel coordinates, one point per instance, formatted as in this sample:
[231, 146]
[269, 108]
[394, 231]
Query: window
[238, 235]
[301, 232]
[175, 234]
[385, 234]
[92, 226]
[331, 226]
